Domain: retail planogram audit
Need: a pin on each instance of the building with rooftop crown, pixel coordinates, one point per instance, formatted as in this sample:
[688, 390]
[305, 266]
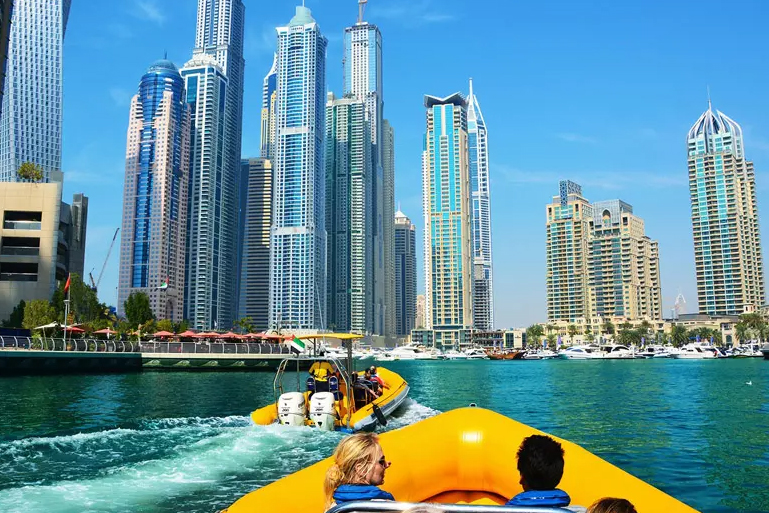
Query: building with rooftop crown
[727, 243]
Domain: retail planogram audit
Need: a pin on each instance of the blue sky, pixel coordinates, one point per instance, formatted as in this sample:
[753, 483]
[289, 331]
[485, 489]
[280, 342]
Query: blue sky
[599, 92]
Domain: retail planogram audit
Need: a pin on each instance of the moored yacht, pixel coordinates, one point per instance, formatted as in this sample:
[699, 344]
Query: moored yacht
[475, 353]
[617, 352]
[695, 351]
[580, 353]
[453, 354]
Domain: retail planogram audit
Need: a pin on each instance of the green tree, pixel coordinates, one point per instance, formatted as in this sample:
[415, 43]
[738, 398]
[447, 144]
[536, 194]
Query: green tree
[550, 328]
[137, 309]
[679, 335]
[16, 319]
[244, 325]
[38, 312]
[533, 335]
[148, 328]
[742, 332]
[571, 329]
[181, 326]
[30, 171]
[551, 339]
[165, 325]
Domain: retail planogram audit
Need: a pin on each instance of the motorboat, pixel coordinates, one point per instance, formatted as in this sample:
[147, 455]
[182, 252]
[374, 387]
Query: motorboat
[465, 457]
[406, 353]
[695, 351]
[541, 354]
[453, 354]
[765, 351]
[580, 353]
[475, 353]
[333, 397]
[654, 351]
[617, 352]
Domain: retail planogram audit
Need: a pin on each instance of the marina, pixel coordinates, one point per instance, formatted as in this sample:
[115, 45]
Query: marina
[184, 441]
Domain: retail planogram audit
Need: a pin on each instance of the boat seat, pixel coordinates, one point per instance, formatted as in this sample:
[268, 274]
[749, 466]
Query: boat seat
[333, 387]
[311, 384]
[386, 506]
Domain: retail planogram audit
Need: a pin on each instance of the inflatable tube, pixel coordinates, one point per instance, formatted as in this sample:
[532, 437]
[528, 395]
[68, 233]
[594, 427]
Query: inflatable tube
[466, 455]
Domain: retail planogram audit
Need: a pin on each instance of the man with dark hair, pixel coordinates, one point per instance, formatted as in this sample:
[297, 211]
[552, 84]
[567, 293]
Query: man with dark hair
[540, 463]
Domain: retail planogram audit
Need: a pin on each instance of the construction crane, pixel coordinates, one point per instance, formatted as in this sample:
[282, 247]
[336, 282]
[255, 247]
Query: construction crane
[95, 285]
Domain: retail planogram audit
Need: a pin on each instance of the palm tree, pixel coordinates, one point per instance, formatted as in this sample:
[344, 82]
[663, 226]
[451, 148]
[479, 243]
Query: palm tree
[572, 330]
[679, 335]
[608, 328]
[550, 328]
[742, 332]
[533, 335]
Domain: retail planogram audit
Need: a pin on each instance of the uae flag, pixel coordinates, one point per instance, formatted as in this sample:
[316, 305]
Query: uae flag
[297, 345]
[66, 285]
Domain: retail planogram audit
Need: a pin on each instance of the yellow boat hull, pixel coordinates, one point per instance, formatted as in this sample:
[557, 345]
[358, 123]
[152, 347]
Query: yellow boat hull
[464, 456]
[361, 419]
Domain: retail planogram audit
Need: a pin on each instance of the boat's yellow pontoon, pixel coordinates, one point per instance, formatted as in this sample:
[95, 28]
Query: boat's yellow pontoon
[465, 456]
[331, 397]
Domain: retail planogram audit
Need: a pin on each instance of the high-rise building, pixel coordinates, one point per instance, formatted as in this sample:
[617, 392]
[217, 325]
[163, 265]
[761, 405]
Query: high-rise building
[348, 215]
[448, 227]
[623, 268]
[298, 236]
[243, 179]
[567, 243]
[210, 231]
[419, 321]
[212, 299]
[31, 117]
[153, 238]
[477, 136]
[255, 260]
[727, 242]
[269, 94]
[79, 211]
[363, 79]
[6, 11]
[405, 274]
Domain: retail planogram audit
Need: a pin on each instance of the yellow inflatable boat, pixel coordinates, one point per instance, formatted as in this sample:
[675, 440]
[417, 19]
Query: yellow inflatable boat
[465, 456]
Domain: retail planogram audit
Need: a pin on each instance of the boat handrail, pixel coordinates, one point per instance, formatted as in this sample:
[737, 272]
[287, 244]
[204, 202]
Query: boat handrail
[386, 506]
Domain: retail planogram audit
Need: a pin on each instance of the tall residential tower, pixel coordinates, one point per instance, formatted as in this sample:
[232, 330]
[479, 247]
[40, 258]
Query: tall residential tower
[405, 275]
[152, 257]
[269, 94]
[448, 227]
[31, 117]
[483, 300]
[298, 237]
[727, 242]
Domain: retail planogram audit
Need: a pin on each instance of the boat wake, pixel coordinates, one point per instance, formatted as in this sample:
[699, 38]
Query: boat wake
[184, 464]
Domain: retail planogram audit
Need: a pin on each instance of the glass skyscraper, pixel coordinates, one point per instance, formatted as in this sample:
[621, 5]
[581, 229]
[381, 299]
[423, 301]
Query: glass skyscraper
[298, 238]
[269, 90]
[31, 117]
[477, 137]
[448, 228]
[727, 242]
[214, 80]
[152, 247]
[405, 274]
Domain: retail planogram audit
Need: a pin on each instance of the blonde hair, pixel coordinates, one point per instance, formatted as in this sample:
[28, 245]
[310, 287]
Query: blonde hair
[612, 505]
[351, 452]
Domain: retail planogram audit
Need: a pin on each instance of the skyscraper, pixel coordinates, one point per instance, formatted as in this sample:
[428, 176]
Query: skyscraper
[567, 248]
[483, 299]
[448, 228]
[31, 117]
[255, 260]
[623, 269]
[348, 215]
[363, 78]
[219, 35]
[727, 242]
[405, 274]
[79, 210]
[268, 111]
[210, 230]
[152, 245]
[298, 237]
[6, 10]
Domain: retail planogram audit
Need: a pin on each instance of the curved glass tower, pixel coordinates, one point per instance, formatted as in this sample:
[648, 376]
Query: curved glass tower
[155, 193]
[727, 243]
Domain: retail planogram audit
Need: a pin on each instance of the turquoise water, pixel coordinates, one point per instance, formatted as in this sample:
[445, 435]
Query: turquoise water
[183, 441]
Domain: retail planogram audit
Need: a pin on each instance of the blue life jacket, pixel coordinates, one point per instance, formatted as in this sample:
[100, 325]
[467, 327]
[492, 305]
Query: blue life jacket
[541, 498]
[359, 492]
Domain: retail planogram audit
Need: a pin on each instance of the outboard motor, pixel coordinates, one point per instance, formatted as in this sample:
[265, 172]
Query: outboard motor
[322, 411]
[291, 409]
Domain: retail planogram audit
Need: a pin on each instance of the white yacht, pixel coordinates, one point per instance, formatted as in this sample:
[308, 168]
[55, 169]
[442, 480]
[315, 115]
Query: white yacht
[694, 351]
[541, 354]
[617, 352]
[453, 354]
[580, 353]
[654, 351]
[475, 353]
[406, 353]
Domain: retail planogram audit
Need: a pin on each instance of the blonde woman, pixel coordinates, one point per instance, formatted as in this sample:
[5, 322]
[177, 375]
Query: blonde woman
[357, 472]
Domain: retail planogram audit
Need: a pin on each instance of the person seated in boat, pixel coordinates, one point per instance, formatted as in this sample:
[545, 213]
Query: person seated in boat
[540, 463]
[378, 378]
[357, 472]
[612, 505]
[362, 391]
[369, 381]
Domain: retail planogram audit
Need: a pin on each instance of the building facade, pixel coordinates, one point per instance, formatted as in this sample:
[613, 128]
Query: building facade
[269, 94]
[153, 235]
[448, 227]
[478, 148]
[213, 292]
[255, 260]
[349, 220]
[362, 69]
[6, 11]
[209, 231]
[31, 117]
[298, 235]
[727, 242]
[405, 275]
[79, 214]
[623, 274]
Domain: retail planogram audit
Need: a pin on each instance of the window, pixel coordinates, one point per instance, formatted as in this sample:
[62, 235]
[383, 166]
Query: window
[15, 271]
[22, 220]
